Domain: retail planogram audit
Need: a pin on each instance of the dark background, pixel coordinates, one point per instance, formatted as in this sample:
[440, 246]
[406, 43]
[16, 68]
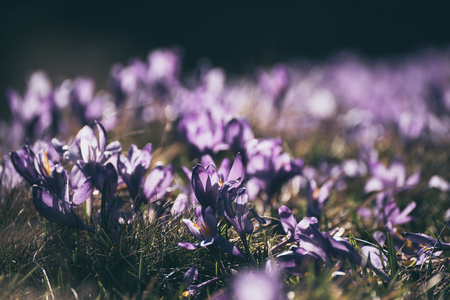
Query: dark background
[86, 37]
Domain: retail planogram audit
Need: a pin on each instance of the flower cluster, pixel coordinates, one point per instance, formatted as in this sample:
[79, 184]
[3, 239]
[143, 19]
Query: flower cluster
[256, 128]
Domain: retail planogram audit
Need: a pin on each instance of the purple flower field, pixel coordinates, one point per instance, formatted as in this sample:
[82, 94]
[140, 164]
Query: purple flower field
[302, 180]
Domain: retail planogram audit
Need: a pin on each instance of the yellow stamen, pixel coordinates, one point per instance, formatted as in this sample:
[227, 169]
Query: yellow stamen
[220, 182]
[121, 187]
[408, 242]
[205, 229]
[185, 294]
[315, 194]
[46, 165]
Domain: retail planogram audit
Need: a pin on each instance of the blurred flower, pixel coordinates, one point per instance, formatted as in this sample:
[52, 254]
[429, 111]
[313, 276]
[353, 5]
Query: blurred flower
[439, 183]
[267, 168]
[430, 246]
[33, 115]
[202, 133]
[274, 83]
[237, 134]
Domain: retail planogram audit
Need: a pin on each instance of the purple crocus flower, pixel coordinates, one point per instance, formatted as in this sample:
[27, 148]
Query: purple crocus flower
[268, 168]
[373, 255]
[88, 154]
[261, 285]
[158, 181]
[23, 161]
[296, 259]
[314, 246]
[50, 190]
[210, 188]
[53, 201]
[205, 230]
[431, 246]
[32, 115]
[132, 168]
[238, 216]
[88, 107]
[193, 290]
[317, 197]
[387, 182]
[35, 169]
[202, 134]
[274, 83]
[9, 178]
[237, 134]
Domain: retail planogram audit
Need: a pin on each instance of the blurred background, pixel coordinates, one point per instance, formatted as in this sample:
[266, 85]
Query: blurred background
[69, 38]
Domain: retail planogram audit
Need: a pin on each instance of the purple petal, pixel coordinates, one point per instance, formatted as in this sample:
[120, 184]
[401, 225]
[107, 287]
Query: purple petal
[229, 247]
[55, 209]
[241, 202]
[224, 168]
[194, 229]
[424, 239]
[207, 160]
[414, 179]
[257, 217]
[373, 255]
[237, 171]
[190, 275]
[82, 192]
[210, 220]
[102, 137]
[188, 246]
[439, 183]
[287, 220]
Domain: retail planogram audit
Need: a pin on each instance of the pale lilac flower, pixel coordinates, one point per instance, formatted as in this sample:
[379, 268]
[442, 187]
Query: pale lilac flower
[88, 107]
[202, 133]
[268, 168]
[439, 183]
[88, 154]
[274, 83]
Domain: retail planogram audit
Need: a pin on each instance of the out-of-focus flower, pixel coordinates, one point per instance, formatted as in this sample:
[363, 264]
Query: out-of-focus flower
[9, 177]
[33, 115]
[274, 83]
[88, 107]
[317, 197]
[430, 246]
[439, 183]
[268, 168]
[237, 134]
[259, 285]
[388, 182]
[202, 133]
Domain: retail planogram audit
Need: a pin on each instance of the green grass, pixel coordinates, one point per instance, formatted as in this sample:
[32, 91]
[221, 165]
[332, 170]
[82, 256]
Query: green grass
[42, 260]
